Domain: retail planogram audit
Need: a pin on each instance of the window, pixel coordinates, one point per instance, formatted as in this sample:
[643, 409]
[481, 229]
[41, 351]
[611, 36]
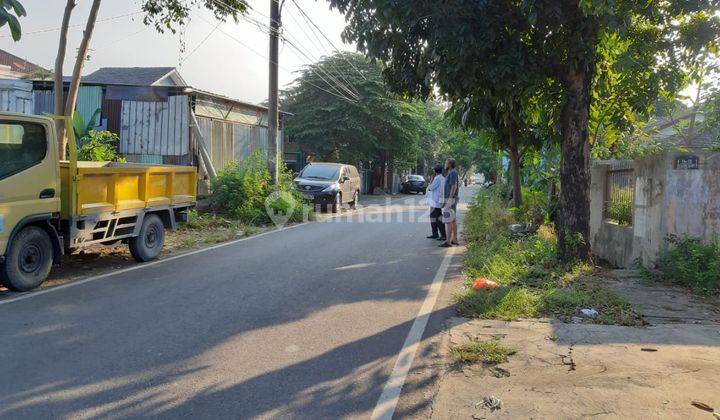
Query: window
[22, 145]
[325, 172]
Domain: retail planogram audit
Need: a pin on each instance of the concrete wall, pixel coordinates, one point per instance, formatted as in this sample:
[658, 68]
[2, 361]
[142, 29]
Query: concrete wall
[667, 200]
[692, 200]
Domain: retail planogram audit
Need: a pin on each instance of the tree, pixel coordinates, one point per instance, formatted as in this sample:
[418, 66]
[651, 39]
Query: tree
[467, 47]
[162, 14]
[7, 8]
[327, 121]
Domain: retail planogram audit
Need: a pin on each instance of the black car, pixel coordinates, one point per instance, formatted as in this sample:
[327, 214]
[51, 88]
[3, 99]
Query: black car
[329, 184]
[413, 183]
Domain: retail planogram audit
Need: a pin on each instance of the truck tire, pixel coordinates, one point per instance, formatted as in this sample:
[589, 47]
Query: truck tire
[148, 244]
[28, 260]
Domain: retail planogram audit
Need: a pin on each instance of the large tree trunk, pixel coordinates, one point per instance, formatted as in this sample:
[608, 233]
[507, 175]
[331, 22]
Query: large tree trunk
[573, 227]
[515, 164]
[58, 76]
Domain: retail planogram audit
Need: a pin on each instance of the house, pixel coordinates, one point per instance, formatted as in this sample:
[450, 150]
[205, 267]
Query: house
[683, 130]
[152, 110]
[14, 67]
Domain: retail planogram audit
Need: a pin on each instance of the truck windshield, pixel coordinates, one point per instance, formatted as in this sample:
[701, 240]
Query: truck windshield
[22, 145]
[320, 172]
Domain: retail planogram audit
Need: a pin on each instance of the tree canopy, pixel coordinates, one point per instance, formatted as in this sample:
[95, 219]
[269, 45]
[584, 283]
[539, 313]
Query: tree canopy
[10, 11]
[328, 121]
[169, 14]
[575, 61]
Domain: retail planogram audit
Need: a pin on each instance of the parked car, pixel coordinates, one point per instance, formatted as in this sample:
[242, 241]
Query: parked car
[329, 184]
[413, 183]
[48, 207]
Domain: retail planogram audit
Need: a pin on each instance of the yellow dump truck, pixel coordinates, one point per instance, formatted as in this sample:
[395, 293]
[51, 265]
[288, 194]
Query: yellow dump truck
[49, 207]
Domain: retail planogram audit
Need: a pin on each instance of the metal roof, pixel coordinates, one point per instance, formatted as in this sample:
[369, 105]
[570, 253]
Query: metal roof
[128, 76]
[18, 64]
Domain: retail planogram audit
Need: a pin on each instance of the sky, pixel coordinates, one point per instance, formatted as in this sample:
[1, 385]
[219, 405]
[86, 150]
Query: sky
[230, 60]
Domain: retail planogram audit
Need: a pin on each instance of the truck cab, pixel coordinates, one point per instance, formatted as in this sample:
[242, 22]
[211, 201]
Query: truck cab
[48, 207]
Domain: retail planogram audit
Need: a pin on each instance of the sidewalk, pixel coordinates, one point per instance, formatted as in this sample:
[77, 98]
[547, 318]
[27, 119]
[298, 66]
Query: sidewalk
[582, 370]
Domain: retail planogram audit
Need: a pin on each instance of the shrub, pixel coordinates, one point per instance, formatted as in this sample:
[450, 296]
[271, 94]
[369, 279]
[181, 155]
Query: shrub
[620, 211]
[691, 263]
[99, 146]
[534, 209]
[243, 192]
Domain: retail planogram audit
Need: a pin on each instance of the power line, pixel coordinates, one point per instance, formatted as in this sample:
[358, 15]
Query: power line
[319, 47]
[42, 31]
[326, 37]
[261, 55]
[331, 77]
[338, 87]
[201, 42]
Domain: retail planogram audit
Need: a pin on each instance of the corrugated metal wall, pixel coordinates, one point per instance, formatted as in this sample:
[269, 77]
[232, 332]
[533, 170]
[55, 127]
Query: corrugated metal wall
[155, 128]
[89, 100]
[16, 96]
[228, 141]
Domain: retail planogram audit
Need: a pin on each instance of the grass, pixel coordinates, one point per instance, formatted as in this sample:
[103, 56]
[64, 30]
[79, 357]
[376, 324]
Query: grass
[476, 351]
[533, 282]
[691, 263]
[207, 229]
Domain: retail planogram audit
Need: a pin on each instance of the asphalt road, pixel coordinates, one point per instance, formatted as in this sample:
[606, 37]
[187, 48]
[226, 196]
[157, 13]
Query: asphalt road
[302, 323]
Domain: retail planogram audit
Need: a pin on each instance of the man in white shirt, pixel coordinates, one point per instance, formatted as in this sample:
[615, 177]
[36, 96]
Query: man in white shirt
[435, 199]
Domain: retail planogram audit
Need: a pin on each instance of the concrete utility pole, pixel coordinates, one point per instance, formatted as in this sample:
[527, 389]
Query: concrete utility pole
[274, 140]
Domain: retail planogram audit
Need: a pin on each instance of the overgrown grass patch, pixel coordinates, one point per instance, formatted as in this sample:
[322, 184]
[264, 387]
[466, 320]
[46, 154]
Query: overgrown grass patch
[691, 263]
[612, 308]
[507, 303]
[477, 351]
[533, 282]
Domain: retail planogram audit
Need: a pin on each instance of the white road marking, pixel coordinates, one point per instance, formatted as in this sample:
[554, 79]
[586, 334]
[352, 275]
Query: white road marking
[385, 407]
[28, 295]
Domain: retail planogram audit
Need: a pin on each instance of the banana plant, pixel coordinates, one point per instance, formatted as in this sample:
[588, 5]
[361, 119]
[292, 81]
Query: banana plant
[81, 128]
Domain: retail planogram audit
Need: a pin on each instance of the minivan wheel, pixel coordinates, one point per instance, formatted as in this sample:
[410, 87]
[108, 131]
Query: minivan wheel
[338, 203]
[355, 201]
[148, 244]
[29, 260]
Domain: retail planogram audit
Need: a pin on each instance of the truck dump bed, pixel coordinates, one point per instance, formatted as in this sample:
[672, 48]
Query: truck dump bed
[110, 186]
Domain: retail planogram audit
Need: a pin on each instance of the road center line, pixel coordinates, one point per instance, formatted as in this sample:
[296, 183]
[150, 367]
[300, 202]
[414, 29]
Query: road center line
[385, 407]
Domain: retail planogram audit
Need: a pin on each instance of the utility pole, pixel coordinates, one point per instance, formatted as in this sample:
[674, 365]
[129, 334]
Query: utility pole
[274, 141]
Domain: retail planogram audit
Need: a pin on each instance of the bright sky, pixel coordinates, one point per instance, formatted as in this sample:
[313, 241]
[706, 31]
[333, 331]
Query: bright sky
[236, 68]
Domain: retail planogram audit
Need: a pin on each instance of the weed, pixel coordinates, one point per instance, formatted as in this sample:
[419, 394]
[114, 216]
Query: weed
[533, 281]
[475, 351]
[508, 303]
[691, 263]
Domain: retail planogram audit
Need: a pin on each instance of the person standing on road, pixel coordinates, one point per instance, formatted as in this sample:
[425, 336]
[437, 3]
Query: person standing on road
[452, 192]
[435, 200]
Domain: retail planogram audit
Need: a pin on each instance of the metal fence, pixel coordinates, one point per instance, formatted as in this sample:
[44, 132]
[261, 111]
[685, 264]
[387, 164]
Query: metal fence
[619, 196]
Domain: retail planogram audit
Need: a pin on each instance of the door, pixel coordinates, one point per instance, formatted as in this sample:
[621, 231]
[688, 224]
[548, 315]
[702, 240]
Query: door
[29, 173]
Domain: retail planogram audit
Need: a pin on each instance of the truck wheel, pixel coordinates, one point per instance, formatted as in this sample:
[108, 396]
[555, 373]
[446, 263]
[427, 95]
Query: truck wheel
[148, 244]
[29, 260]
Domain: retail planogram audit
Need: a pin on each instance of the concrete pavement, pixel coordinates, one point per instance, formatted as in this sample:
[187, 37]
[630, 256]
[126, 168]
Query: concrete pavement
[302, 323]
